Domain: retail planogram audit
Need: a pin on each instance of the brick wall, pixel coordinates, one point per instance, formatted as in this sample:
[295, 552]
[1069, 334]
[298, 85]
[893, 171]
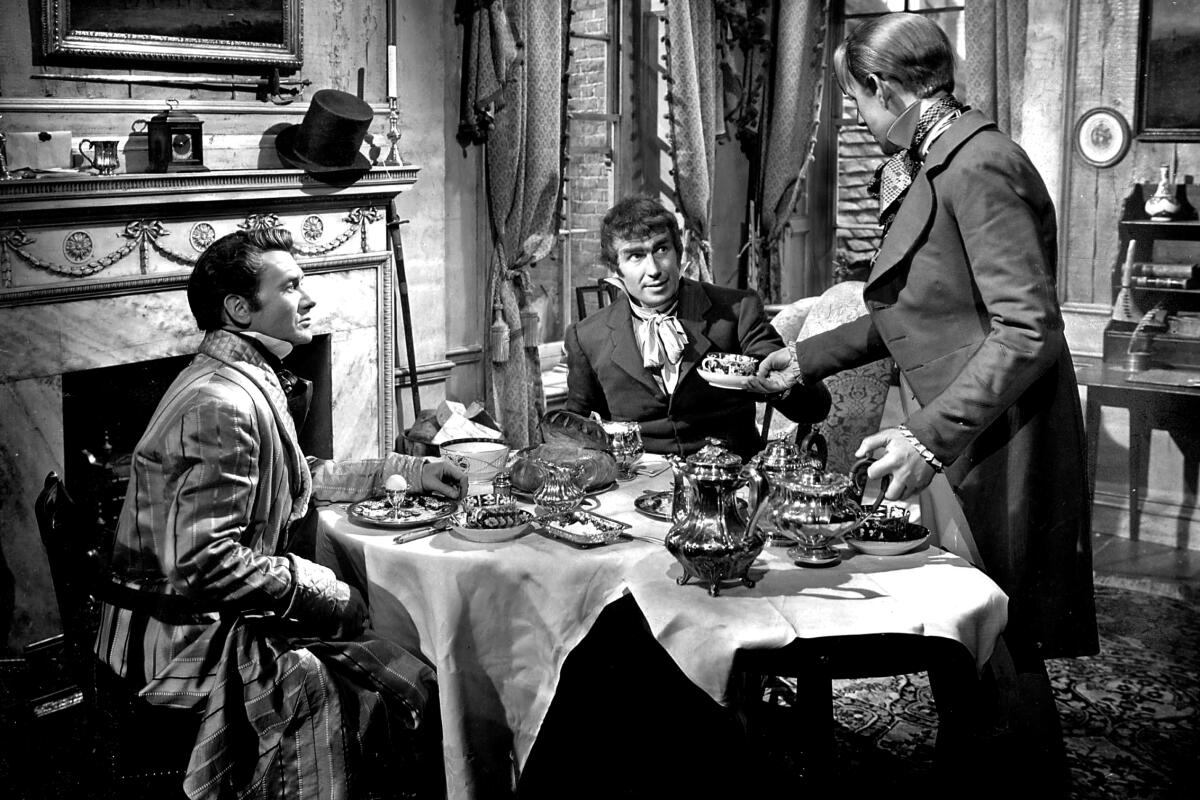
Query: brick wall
[859, 155]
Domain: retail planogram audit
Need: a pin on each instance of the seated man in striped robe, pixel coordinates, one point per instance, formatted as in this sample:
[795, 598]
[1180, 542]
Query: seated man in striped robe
[268, 647]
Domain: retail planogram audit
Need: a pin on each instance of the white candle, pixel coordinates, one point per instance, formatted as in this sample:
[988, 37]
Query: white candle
[391, 70]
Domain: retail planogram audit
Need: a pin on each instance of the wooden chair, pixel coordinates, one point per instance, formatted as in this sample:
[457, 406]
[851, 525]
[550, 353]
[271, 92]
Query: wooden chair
[136, 750]
[594, 298]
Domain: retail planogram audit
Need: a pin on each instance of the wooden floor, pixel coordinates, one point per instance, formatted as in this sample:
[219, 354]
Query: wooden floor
[1149, 567]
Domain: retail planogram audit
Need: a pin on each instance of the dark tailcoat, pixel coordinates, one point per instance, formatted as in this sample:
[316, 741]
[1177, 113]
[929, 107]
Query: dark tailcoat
[606, 373]
[962, 296]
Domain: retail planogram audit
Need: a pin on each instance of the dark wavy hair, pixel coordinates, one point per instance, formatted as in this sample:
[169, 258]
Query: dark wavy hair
[231, 265]
[634, 218]
[907, 48]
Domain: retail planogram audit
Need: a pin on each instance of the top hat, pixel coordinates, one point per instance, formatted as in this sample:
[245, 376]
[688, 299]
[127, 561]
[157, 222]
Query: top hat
[329, 138]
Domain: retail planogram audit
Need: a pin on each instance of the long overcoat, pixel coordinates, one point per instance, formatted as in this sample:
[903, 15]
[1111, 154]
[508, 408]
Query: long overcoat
[962, 295]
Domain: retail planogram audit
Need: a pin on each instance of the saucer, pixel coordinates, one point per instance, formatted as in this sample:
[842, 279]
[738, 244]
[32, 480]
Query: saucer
[723, 381]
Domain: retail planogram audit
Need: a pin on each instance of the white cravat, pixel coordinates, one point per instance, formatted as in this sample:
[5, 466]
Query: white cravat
[661, 338]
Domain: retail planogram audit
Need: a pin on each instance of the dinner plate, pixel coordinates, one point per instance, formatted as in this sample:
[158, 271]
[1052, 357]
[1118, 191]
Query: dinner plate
[417, 509]
[656, 505]
[878, 548]
[724, 381]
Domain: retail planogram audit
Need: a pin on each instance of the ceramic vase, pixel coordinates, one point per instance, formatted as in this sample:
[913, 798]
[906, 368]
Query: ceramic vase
[1163, 205]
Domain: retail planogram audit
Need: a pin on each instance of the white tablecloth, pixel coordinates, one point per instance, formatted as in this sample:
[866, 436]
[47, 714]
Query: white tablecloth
[498, 621]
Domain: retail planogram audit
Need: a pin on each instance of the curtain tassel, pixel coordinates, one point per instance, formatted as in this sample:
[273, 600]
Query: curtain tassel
[499, 336]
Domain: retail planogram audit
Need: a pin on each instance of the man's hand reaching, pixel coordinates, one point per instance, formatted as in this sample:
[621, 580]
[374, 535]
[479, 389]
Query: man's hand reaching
[776, 373]
[445, 478]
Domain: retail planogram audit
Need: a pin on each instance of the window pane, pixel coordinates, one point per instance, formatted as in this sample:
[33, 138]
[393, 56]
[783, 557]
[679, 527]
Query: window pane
[854, 7]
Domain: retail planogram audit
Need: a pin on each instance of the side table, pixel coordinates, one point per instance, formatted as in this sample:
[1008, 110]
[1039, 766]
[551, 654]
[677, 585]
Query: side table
[1149, 405]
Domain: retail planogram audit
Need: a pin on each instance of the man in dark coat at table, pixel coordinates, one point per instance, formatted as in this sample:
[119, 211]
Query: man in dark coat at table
[636, 358]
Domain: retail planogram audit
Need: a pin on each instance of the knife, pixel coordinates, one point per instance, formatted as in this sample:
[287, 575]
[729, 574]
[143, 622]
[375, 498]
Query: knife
[420, 533]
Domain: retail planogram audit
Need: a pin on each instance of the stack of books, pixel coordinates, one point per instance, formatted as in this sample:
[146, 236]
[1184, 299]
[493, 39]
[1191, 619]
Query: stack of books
[1147, 275]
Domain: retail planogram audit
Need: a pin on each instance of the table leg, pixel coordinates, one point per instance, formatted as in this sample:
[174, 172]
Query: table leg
[1139, 445]
[813, 713]
[1091, 425]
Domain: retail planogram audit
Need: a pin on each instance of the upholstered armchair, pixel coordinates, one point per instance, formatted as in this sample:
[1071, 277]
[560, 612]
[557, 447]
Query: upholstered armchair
[859, 394]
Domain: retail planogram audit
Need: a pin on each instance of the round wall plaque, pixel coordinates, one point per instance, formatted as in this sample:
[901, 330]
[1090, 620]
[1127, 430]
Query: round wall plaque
[1102, 137]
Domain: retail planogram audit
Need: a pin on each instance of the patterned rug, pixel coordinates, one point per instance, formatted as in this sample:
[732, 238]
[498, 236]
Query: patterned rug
[1129, 714]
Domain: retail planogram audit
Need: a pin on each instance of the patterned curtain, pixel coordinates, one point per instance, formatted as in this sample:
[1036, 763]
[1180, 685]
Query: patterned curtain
[513, 102]
[996, 59]
[793, 116]
[693, 111]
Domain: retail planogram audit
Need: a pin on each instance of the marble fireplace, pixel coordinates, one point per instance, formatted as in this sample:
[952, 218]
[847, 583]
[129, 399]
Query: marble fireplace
[93, 316]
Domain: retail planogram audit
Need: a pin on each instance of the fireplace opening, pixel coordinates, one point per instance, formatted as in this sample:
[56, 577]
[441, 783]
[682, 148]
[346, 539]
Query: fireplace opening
[106, 410]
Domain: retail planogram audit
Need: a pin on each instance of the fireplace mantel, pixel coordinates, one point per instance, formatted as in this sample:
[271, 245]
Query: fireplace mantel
[93, 274]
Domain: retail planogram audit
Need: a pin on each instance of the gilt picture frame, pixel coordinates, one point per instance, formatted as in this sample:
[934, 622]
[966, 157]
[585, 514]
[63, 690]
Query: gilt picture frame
[1168, 106]
[230, 33]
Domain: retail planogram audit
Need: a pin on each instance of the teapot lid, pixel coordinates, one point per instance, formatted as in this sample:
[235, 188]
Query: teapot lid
[174, 114]
[780, 454]
[812, 480]
[714, 456]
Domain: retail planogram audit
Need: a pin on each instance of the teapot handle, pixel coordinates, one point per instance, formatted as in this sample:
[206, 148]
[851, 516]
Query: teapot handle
[814, 448]
[858, 482]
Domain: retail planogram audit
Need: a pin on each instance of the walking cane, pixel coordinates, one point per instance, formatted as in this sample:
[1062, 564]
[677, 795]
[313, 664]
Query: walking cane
[393, 225]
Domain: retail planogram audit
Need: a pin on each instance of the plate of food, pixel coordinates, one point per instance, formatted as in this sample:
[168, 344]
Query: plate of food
[656, 505]
[888, 537]
[491, 522]
[409, 511]
[584, 529]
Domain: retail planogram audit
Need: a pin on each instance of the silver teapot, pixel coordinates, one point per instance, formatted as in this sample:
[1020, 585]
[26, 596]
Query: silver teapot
[812, 507]
[776, 460]
[711, 535]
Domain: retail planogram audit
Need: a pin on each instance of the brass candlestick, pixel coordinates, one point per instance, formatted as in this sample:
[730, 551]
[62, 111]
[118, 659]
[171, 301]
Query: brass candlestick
[393, 157]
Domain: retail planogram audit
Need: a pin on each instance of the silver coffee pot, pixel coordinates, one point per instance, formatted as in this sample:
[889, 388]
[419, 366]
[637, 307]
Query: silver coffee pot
[711, 535]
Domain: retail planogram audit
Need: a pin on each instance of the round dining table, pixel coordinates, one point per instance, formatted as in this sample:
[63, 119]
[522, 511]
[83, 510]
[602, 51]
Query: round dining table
[497, 621]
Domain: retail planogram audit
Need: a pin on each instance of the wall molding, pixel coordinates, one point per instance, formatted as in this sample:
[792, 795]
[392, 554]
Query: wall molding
[92, 105]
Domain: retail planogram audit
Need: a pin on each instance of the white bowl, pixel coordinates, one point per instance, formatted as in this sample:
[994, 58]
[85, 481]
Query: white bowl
[481, 458]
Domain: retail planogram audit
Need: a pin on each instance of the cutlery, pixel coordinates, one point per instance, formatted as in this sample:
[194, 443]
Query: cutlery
[420, 533]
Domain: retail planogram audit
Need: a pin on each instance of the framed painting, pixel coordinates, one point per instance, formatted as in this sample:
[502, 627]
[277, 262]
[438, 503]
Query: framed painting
[1168, 63]
[219, 32]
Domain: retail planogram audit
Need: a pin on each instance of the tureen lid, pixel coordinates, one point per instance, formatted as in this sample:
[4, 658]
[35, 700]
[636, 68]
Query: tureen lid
[714, 456]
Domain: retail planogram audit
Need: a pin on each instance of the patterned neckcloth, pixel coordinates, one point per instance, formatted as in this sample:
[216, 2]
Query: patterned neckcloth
[894, 176]
[665, 336]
